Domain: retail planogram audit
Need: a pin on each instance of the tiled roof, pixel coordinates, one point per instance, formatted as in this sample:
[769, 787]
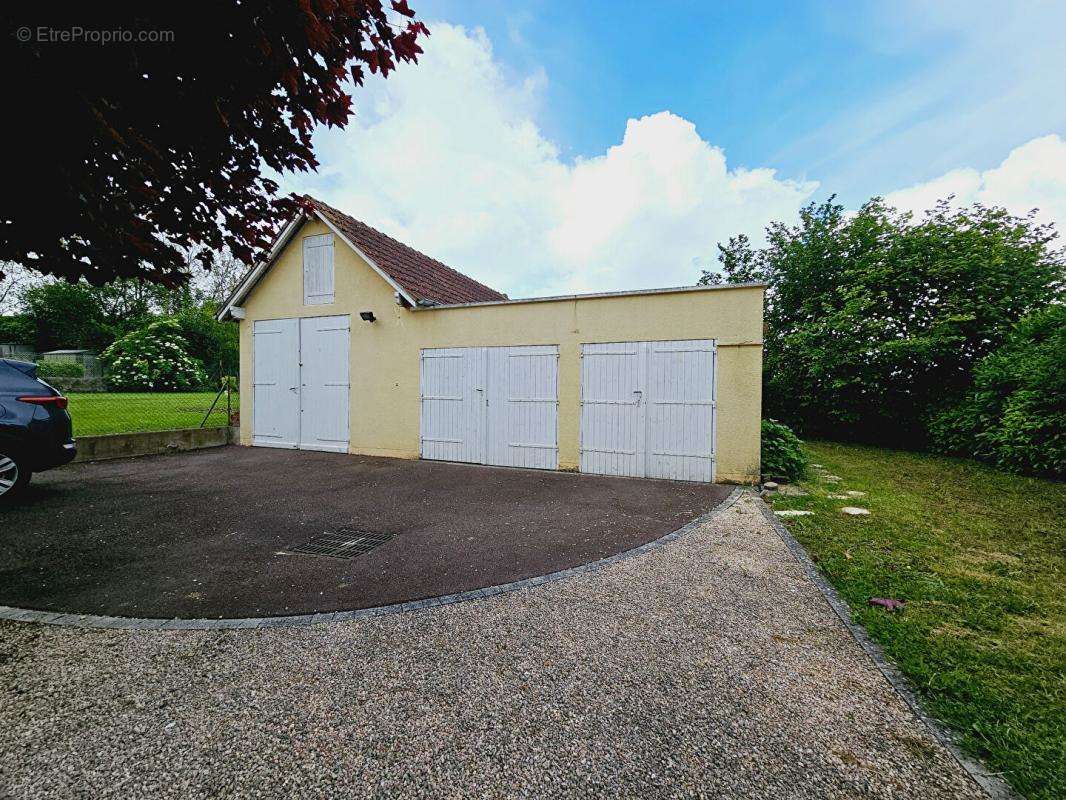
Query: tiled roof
[422, 277]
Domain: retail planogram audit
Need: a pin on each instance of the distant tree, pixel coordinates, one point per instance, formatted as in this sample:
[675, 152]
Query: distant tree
[875, 319]
[67, 315]
[15, 280]
[78, 315]
[131, 303]
[216, 284]
[740, 264]
[17, 329]
[211, 342]
[126, 154]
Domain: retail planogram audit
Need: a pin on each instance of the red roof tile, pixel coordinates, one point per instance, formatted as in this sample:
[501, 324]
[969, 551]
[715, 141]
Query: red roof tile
[422, 277]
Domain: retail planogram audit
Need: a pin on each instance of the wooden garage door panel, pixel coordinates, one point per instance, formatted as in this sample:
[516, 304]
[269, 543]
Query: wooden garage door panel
[680, 434]
[647, 409]
[452, 389]
[491, 405]
[276, 383]
[611, 411]
[324, 384]
[523, 407]
[300, 383]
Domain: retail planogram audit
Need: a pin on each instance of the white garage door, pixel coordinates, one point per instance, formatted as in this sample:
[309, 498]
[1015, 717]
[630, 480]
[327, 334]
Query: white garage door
[453, 418]
[491, 405]
[276, 383]
[647, 409]
[300, 383]
[324, 385]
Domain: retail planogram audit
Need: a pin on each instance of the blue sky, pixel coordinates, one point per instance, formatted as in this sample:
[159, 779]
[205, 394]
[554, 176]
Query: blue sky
[782, 84]
[548, 146]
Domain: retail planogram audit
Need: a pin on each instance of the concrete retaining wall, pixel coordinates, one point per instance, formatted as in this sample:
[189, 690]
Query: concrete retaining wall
[125, 445]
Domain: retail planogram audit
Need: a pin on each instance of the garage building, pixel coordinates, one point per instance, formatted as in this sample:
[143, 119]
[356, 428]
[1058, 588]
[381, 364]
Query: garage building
[353, 342]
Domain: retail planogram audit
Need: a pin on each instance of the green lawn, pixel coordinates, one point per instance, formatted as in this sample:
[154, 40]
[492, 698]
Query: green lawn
[124, 412]
[980, 558]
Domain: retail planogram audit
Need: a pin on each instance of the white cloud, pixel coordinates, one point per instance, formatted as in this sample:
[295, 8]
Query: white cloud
[647, 210]
[1031, 176]
[447, 156]
[966, 80]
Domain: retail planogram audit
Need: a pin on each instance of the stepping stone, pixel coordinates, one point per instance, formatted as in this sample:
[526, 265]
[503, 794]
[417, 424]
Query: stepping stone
[770, 486]
[818, 466]
[790, 490]
[853, 493]
[855, 512]
[838, 497]
[831, 478]
[793, 512]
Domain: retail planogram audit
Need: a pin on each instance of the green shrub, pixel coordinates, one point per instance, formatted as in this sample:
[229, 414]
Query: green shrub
[875, 317]
[17, 329]
[1014, 416]
[215, 344]
[154, 358]
[60, 369]
[782, 451]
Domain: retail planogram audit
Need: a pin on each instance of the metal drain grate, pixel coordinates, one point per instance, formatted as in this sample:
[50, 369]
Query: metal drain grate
[342, 544]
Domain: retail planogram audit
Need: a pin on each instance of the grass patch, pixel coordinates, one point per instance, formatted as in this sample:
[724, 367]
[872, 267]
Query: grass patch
[95, 413]
[980, 557]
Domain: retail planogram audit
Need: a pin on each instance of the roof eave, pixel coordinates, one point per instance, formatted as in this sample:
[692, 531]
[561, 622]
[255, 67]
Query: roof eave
[253, 276]
[373, 265]
[593, 296]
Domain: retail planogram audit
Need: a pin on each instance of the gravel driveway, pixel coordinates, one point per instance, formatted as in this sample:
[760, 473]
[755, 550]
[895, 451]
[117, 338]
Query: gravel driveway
[709, 667]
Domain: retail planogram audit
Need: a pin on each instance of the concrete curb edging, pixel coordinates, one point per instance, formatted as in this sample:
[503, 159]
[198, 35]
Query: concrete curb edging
[994, 785]
[305, 620]
[108, 446]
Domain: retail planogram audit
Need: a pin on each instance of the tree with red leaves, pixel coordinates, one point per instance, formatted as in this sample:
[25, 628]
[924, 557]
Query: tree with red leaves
[137, 131]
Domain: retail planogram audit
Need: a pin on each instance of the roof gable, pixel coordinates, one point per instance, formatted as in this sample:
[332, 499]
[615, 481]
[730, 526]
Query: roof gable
[417, 278]
[425, 279]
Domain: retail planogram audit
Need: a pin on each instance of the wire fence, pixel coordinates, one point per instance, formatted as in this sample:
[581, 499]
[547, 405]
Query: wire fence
[95, 410]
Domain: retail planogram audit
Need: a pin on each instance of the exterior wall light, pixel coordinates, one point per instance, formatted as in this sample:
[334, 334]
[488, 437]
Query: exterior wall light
[367, 316]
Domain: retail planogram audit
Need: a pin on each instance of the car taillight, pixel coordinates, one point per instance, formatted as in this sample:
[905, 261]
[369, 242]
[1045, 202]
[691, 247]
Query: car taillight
[45, 400]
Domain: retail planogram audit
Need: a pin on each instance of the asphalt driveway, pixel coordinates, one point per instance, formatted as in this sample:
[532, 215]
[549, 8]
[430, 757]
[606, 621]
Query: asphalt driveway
[709, 667]
[210, 533]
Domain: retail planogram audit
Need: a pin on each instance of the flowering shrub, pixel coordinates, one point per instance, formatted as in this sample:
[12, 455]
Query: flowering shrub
[153, 359]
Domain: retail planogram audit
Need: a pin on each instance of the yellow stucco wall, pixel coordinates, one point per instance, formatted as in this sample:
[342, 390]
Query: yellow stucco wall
[385, 355]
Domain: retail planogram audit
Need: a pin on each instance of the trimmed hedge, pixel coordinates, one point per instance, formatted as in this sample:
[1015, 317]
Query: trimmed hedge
[60, 369]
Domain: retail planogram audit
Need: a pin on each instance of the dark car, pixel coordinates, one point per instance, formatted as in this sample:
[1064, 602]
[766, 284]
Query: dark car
[35, 430]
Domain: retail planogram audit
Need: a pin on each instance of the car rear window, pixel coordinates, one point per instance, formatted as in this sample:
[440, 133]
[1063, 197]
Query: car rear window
[25, 367]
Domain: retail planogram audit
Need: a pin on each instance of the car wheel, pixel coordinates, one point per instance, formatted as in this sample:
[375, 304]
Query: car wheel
[14, 475]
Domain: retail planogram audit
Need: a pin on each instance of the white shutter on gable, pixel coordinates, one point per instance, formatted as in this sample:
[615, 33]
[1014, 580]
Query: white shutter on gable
[318, 269]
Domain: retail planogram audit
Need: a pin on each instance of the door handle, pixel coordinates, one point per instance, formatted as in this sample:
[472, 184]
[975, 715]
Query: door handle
[640, 396]
[294, 388]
